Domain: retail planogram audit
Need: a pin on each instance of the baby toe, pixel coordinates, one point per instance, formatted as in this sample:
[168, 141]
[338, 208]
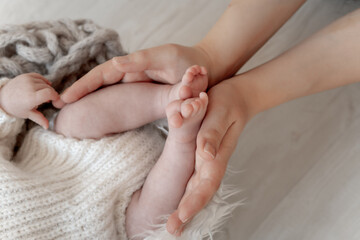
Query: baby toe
[196, 69]
[187, 78]
[187, 109]
[173, 114]
[204, 98]
[185, 92]
[175, 120]
[190, 75]
[203, 70]
[196, 105]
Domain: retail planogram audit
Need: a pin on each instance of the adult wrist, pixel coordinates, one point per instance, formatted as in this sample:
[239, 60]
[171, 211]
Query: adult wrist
[205, 54]
[248, 94]
[218, 70]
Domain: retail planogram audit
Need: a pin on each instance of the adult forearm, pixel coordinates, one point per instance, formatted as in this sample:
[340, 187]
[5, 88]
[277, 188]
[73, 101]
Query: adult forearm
[329, 59]
[243, 28]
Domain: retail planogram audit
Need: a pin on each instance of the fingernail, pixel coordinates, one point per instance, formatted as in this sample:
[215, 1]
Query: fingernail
[177, 233]
[209, 149]
[203, 70]
[183, 218]
[121, 60]
[172, 231]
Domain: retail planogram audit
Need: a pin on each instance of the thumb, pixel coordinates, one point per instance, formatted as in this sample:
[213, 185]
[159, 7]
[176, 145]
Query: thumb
[212, 132]
[103, 74]
[39, 118]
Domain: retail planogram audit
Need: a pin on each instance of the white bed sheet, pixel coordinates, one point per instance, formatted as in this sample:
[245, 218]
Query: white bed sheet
[299, 161]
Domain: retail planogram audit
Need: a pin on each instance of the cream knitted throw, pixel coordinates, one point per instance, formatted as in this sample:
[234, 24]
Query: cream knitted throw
[59, 188]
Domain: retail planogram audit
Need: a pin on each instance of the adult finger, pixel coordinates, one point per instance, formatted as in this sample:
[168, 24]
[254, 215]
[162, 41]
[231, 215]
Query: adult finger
[173, 223]
[195, 198]
[198, 192]
[205, 188]
[104, 74]
[39, 118]
[147, 59]
[212, 131]
[210, 174]
[136, 77]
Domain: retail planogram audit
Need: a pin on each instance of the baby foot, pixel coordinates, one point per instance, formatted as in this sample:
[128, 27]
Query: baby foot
[194, 81]
[185, 117]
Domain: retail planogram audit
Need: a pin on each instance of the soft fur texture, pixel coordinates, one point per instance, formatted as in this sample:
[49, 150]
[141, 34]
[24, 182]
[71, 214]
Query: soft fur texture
[205, 224]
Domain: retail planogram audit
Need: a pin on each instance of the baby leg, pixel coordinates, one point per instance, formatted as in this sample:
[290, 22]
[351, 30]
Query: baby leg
[125, 106]
[166, 183]
[112, 109]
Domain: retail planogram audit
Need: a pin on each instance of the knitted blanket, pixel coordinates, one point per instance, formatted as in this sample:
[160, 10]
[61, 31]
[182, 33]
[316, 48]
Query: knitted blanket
[54, 187]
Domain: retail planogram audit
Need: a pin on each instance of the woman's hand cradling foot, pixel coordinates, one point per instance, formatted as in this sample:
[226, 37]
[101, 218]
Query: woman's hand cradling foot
[227, 114]
[165, 64]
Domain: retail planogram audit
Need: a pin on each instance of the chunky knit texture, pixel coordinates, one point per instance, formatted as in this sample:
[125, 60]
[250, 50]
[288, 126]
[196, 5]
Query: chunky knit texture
[60, 50]
[54, 187]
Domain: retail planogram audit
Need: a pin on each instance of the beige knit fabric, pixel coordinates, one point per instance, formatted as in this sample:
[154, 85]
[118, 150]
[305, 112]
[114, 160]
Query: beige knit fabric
[61, 188]
[61, 50]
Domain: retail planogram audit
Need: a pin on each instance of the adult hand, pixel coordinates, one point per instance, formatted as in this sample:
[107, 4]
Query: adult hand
[227, 114]
[166, 64]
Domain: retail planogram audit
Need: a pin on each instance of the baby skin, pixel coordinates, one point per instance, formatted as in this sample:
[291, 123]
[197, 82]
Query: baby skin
[126, 106]
[167, 180]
